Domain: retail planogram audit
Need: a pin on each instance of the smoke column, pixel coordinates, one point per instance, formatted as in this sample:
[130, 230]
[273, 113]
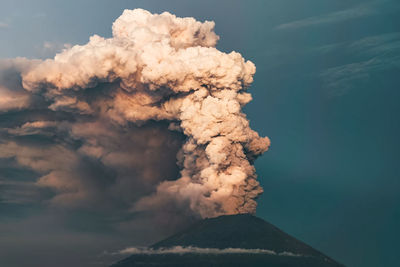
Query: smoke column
[157, 68]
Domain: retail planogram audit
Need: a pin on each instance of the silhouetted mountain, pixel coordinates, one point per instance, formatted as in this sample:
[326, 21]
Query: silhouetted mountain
[242, 231]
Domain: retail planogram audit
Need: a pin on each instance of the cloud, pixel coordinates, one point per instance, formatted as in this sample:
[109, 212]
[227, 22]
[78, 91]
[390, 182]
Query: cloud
[375, 54]
[368, 46]
[3, 25]
[50, 49]
[359, 11]
[12, 95]
[197, 250]
[19, 193]
[39, 15]
[10, 100]
[146, 122]
[377, 45]
[340, 79]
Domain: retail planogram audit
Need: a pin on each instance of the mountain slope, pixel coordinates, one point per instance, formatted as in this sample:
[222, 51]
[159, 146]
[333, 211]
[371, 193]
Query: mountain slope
[232, 231]
[237, 231]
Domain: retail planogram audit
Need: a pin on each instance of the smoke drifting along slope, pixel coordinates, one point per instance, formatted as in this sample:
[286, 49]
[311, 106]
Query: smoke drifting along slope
[196, 250]
[108, 104]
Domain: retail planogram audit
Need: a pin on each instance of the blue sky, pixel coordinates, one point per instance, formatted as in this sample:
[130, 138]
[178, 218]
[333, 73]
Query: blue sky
[325, 92]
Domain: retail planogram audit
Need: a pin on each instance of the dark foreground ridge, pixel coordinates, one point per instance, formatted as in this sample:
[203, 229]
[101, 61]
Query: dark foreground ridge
[242, 231]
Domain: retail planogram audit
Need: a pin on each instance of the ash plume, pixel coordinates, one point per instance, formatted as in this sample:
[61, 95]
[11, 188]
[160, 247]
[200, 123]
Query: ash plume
[115, 110]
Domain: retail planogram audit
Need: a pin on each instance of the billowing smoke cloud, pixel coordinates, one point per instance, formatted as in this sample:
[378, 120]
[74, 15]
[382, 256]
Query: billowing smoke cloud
[148, 120]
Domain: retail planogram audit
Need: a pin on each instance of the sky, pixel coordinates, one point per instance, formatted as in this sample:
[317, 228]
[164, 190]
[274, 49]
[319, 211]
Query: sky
[324, 92]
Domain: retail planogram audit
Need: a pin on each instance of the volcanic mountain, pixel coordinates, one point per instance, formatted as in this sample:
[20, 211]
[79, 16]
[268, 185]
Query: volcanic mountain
[230, 240]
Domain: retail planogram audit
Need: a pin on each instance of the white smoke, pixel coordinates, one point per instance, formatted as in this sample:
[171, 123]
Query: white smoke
[156, 67]
[197, 250]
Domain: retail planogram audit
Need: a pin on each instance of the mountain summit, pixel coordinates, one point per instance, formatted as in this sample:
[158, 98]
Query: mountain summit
[230, 240]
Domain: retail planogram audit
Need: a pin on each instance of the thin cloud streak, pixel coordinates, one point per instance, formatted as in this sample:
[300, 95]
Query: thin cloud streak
[375, 54]
[340, 79]
[371, 45]
[197, 250]
[378, 44]
[338, 16]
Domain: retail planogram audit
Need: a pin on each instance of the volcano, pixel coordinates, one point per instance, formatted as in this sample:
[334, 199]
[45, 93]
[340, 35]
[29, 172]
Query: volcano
[230, 240]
